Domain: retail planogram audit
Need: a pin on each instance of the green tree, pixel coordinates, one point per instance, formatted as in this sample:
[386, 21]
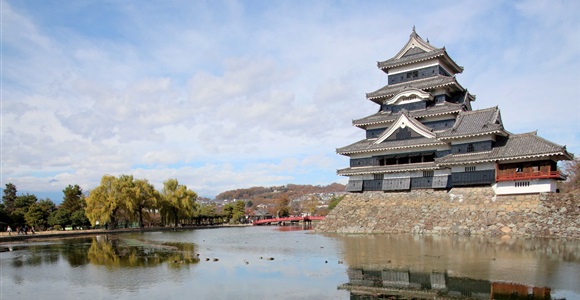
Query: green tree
[21, 206]
[39, 212]
[73, 198]
[9, 197]
[104, 202]
[239, 211]
[178, 202]
[74, 204]
[145, 199]
[4, 217]
[60, 217]
[207, 210]
[228, 211]
[79, 219]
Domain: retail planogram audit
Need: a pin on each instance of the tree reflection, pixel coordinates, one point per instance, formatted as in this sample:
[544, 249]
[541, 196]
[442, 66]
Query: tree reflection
[37, 256]
[119, 253]
[109, 251]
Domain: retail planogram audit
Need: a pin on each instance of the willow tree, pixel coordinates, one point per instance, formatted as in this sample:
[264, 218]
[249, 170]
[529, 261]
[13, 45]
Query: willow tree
[146, 198]
[104, 202]
[177, 201]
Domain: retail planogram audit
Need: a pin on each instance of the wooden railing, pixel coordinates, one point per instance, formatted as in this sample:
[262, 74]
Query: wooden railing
[524, 176]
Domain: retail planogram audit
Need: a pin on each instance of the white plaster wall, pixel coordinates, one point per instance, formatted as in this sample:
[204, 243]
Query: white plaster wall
[478, 167]
[536, 186]
[397, 175]
[442, 172]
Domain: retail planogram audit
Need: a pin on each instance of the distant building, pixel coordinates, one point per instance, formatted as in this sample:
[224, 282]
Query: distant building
[426, 135]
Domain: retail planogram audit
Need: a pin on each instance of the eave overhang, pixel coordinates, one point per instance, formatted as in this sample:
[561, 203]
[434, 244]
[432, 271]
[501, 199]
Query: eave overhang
[360, 123]
[439, 53]
[478, 134]
[422, 84]
[430, 144]
[386, 169]
[496, 159]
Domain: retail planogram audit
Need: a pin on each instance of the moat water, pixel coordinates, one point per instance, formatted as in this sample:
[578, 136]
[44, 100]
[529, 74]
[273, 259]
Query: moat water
[288, 263]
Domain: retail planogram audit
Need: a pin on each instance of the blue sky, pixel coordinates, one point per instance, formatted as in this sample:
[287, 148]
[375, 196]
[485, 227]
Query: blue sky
[234, 94]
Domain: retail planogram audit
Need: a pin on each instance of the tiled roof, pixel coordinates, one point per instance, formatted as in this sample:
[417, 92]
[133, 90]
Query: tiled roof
[367, 145]
[381, 117]
[514, 146]
[387, 169]
[422, 84]
[408, 59]
[418, 57]
[473, 123]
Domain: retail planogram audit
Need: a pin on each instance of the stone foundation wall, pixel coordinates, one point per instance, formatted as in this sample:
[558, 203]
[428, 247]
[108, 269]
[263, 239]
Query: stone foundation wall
[463, 211]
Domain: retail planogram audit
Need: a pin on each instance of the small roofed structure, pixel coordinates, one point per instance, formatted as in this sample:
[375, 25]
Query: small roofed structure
[426, 135]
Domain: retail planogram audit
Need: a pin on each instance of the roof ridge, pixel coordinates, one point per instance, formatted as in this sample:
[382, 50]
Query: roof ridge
[481, 110]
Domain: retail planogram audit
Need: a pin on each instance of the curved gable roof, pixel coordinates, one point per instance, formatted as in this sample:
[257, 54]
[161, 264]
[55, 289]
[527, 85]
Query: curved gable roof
[415, 50]
[421, 84]
[474, 123]
[405, 121]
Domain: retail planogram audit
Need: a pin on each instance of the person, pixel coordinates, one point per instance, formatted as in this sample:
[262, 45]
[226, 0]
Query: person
[32, 230]
[9, 230]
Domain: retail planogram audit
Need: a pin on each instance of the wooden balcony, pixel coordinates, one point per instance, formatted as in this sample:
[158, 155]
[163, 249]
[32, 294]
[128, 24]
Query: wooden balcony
[504, 176]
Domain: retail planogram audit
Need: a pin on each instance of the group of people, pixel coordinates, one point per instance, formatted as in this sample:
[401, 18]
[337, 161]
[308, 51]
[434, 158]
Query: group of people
[21, 230]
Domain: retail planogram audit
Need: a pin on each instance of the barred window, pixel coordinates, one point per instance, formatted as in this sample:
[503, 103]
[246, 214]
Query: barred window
[522, 184]
[429, 173]
[470, 148]
[470, 169]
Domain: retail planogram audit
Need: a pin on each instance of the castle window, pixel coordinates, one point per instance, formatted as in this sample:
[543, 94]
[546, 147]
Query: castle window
[378, 176]
[470, 169]
[416, 159]
[429, 173]
[413, 74]
[429, 157]
[519, 168]
[522, 184]
[470, 148]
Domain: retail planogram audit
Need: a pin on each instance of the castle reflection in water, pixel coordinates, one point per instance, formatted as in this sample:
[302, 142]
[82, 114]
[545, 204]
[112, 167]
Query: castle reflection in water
[406, 284]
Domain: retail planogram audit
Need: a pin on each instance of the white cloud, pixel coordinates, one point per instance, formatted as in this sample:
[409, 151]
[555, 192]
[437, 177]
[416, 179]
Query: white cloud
[224, 96]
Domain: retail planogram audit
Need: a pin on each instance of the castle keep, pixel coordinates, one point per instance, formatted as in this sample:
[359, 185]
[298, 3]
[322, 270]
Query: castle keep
[425, 135]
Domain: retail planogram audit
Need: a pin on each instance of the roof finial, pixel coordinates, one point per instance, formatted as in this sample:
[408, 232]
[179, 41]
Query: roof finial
[414, 29]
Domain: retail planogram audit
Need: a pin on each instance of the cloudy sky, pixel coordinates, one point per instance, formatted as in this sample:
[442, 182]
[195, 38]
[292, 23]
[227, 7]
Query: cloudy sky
[234, 94]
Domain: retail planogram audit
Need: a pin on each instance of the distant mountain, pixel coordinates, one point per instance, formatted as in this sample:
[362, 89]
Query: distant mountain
[267, 194]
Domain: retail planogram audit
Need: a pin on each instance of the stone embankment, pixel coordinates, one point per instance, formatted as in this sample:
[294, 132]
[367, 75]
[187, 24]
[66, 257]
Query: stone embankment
[459, 211]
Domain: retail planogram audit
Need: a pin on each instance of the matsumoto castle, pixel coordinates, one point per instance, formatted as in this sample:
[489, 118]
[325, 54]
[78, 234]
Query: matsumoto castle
[426, 135]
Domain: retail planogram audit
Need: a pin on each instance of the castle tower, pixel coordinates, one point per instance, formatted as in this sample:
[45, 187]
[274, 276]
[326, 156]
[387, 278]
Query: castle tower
[426, 135]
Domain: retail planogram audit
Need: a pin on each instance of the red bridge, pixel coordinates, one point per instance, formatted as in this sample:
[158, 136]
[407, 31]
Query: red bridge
[288, 219]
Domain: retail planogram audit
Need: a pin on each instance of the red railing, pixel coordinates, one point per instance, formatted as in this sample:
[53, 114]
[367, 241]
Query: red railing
[288, 219]
[532, 175]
